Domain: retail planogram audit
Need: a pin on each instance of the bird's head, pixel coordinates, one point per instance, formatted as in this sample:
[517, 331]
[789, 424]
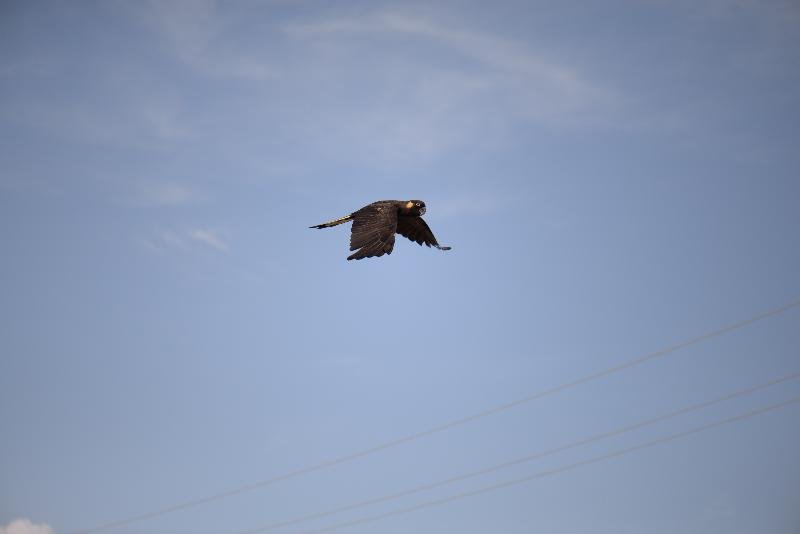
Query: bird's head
[415, 207]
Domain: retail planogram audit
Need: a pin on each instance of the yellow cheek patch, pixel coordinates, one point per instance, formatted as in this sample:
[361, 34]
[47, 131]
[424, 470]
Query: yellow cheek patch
[409, 205]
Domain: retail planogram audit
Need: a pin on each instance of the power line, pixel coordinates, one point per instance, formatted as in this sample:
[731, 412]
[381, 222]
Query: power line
[440, 428]
[550, 472]
[524, 459]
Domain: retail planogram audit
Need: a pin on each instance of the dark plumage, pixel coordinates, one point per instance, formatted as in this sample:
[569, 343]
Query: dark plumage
[375, 225]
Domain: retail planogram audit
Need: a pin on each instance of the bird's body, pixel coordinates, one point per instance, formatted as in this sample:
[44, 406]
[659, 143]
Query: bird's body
[375, 226]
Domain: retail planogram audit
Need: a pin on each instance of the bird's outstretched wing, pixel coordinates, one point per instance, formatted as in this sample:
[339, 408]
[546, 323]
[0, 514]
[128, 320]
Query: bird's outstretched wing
[373, 231]
[417, 230]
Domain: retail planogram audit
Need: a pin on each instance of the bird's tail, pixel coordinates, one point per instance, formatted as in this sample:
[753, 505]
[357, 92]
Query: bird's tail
[334, 222]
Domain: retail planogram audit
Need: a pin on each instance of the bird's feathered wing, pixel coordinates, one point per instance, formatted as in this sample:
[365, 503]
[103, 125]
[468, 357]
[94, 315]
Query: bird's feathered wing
[417, 230]
[373, 230]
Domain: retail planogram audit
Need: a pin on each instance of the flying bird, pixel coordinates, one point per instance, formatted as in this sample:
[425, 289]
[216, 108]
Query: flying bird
[375, 225]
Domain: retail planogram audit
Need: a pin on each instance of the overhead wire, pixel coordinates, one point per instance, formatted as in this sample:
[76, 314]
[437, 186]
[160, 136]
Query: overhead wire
[551, 472]
[528, 458]
[442, 427]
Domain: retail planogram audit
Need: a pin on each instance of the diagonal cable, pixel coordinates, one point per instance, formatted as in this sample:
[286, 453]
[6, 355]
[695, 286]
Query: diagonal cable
[443, 427]
[550, 472]
[524, 459]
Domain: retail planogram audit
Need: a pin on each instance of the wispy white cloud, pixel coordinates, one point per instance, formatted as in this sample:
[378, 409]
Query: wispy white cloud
[210, 238]
[131, 118]
[25, 526]
[347, 74]
[384, 86]
[544, 87]
[421, 84]
[164, 121]
[165, 240]
[194, 31]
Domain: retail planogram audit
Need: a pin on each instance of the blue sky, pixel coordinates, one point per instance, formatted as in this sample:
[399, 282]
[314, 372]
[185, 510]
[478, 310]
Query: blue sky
[613, 177]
